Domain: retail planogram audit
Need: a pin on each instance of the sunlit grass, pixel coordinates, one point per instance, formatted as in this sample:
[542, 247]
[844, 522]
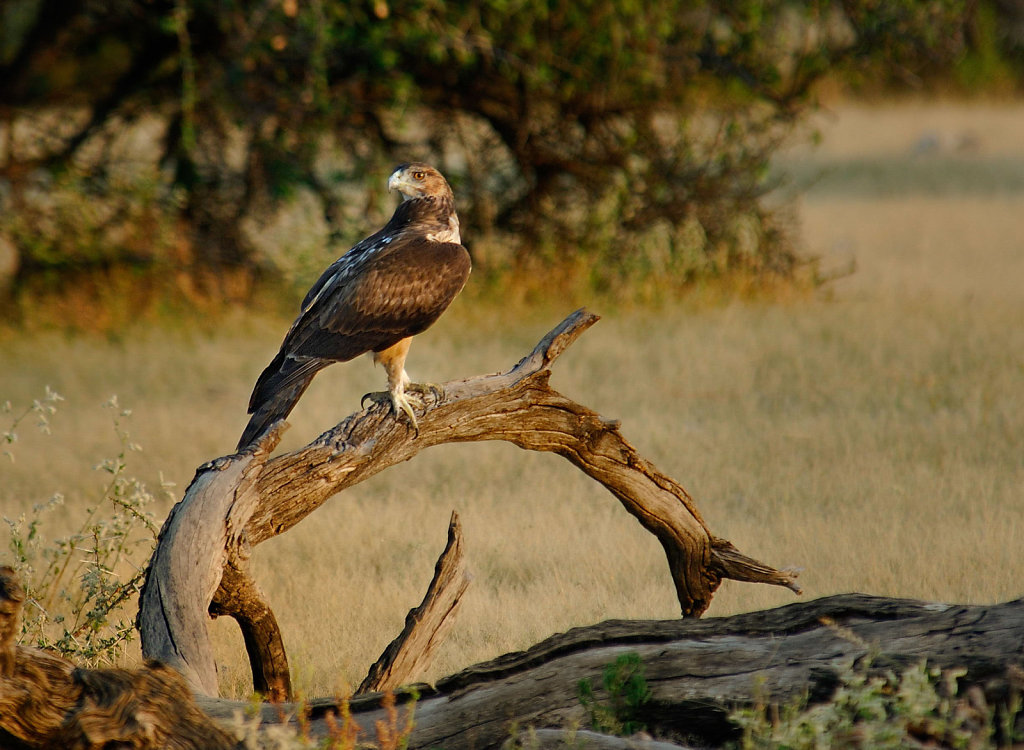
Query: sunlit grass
[872, 435]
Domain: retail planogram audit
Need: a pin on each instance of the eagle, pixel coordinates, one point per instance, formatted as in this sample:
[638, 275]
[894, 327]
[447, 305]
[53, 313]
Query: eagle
[389, 287]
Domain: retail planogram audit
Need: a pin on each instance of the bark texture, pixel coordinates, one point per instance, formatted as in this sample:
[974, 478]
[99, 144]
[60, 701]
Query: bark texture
[200, 567]
[238, 501]
[45, 702]
[699, 670]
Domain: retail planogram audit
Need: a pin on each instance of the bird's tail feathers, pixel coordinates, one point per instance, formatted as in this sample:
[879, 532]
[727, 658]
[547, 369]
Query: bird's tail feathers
[277, 391]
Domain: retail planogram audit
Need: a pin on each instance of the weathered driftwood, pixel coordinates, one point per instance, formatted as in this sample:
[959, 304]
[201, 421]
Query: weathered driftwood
[201, 557]
[239, 501]
[426, 626]
[699, 670]
[45, 702]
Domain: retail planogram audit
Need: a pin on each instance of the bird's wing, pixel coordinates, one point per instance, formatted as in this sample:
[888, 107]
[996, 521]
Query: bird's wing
[372, 303]
[366, 301]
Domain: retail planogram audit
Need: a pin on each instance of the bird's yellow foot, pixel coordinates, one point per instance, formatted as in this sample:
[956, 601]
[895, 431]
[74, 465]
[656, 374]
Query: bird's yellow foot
[398, 402]
[404, 400]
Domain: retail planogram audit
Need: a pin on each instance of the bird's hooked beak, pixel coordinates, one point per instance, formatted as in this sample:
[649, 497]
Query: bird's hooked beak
[395, 182]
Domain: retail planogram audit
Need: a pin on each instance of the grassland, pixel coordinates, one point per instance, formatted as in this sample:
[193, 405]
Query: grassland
[872, 435]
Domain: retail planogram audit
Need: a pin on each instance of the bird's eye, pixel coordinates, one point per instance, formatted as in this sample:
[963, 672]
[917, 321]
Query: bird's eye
[418, 175]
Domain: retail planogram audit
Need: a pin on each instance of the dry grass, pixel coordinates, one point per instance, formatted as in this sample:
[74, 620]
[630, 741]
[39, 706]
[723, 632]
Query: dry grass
[872, 436]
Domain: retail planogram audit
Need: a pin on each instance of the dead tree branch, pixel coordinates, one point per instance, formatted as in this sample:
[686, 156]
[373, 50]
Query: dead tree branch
[426, 626]
[46, 702]
[241, 500]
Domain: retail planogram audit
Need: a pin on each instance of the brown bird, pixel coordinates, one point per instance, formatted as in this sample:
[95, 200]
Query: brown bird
[374, 298]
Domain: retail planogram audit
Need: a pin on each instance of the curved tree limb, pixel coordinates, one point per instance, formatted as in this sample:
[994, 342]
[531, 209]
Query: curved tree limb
[241, 500]
[239, 596]
[518, 406]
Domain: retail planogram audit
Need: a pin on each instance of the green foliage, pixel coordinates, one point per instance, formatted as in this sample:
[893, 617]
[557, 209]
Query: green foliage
[78, 585]
[918, 708]
[74, 221]
[580, 136]
[986, 64]
[626, 690]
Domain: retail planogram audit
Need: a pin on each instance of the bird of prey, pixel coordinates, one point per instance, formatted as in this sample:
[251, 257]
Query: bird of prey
[374, 298]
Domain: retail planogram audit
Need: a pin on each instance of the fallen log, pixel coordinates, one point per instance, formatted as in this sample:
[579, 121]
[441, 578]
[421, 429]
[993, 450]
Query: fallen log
[698, 671]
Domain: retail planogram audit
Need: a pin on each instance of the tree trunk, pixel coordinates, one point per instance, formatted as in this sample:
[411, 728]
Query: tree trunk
[200, 567]
[200, 564]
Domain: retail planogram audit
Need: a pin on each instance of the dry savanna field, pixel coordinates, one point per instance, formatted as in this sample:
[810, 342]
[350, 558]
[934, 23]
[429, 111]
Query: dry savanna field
[872, 434]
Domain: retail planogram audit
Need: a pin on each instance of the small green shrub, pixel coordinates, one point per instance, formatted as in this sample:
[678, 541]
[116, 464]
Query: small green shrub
[72, 222]
[77, 585]
[918, 708]
[627, 691]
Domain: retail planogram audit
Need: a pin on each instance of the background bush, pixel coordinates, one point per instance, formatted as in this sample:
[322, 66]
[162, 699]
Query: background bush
[603, 140]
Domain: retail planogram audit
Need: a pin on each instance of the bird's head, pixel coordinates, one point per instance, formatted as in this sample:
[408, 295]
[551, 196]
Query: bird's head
[419, 180]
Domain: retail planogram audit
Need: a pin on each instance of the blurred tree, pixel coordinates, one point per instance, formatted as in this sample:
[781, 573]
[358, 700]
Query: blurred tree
[631, 135]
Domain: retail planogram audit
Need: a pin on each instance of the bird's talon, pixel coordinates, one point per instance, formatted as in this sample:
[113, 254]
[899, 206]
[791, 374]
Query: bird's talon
[375, 397]
[436, 390]
[412, 419]
[398, 404]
